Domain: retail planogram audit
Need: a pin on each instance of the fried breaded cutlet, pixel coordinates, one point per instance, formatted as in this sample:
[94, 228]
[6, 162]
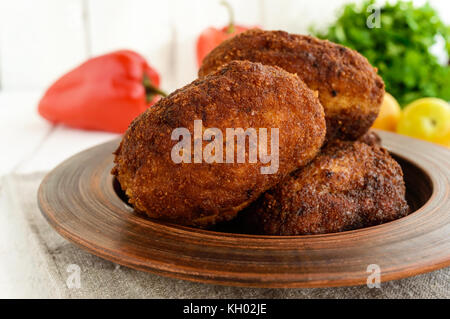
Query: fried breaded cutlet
[370, 138]
[240, 94]
[349, 88]
[349, 185]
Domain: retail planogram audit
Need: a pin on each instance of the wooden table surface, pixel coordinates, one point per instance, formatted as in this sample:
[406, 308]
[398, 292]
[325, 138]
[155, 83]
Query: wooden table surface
[29, 144]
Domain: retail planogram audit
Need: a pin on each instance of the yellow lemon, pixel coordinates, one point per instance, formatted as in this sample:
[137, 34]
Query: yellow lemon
[427, 119]
[389, 114]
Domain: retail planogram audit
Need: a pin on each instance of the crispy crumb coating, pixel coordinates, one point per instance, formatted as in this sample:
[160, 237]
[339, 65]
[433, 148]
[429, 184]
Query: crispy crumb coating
[349, 185]
[370, 138]
[349, 88]
[241, 94]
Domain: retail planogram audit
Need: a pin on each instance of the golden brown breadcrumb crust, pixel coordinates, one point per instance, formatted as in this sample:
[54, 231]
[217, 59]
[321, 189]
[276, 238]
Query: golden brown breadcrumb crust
[370, 138]
[240, 94]
[349, 185]
[349, 88]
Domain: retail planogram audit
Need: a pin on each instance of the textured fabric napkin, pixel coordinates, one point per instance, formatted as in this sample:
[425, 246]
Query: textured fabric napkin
[35, 262]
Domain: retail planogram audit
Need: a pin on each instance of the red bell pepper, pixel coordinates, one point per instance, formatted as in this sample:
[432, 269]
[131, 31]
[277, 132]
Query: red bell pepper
[212, 37]
[104, 93]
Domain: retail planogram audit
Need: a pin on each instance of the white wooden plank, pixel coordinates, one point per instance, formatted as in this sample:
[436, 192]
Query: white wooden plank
[22, 130]
[140, 25]
[192, 17]
[60, 145]
[296, 16]
[1, 80]
[32, 143]
[39, 40]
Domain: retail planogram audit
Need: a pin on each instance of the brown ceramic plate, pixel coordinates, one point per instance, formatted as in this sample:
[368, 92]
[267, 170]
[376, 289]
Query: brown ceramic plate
[80, 200]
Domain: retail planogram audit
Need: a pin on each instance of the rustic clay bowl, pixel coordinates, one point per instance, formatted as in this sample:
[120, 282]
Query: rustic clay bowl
[81, 201]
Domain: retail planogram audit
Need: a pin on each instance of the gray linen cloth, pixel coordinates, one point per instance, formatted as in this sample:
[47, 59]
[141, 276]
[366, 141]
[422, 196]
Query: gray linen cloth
[35, 262]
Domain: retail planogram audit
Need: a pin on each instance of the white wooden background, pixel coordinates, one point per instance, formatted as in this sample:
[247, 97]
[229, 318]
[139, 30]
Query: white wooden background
[39, 40]
[42, 39]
